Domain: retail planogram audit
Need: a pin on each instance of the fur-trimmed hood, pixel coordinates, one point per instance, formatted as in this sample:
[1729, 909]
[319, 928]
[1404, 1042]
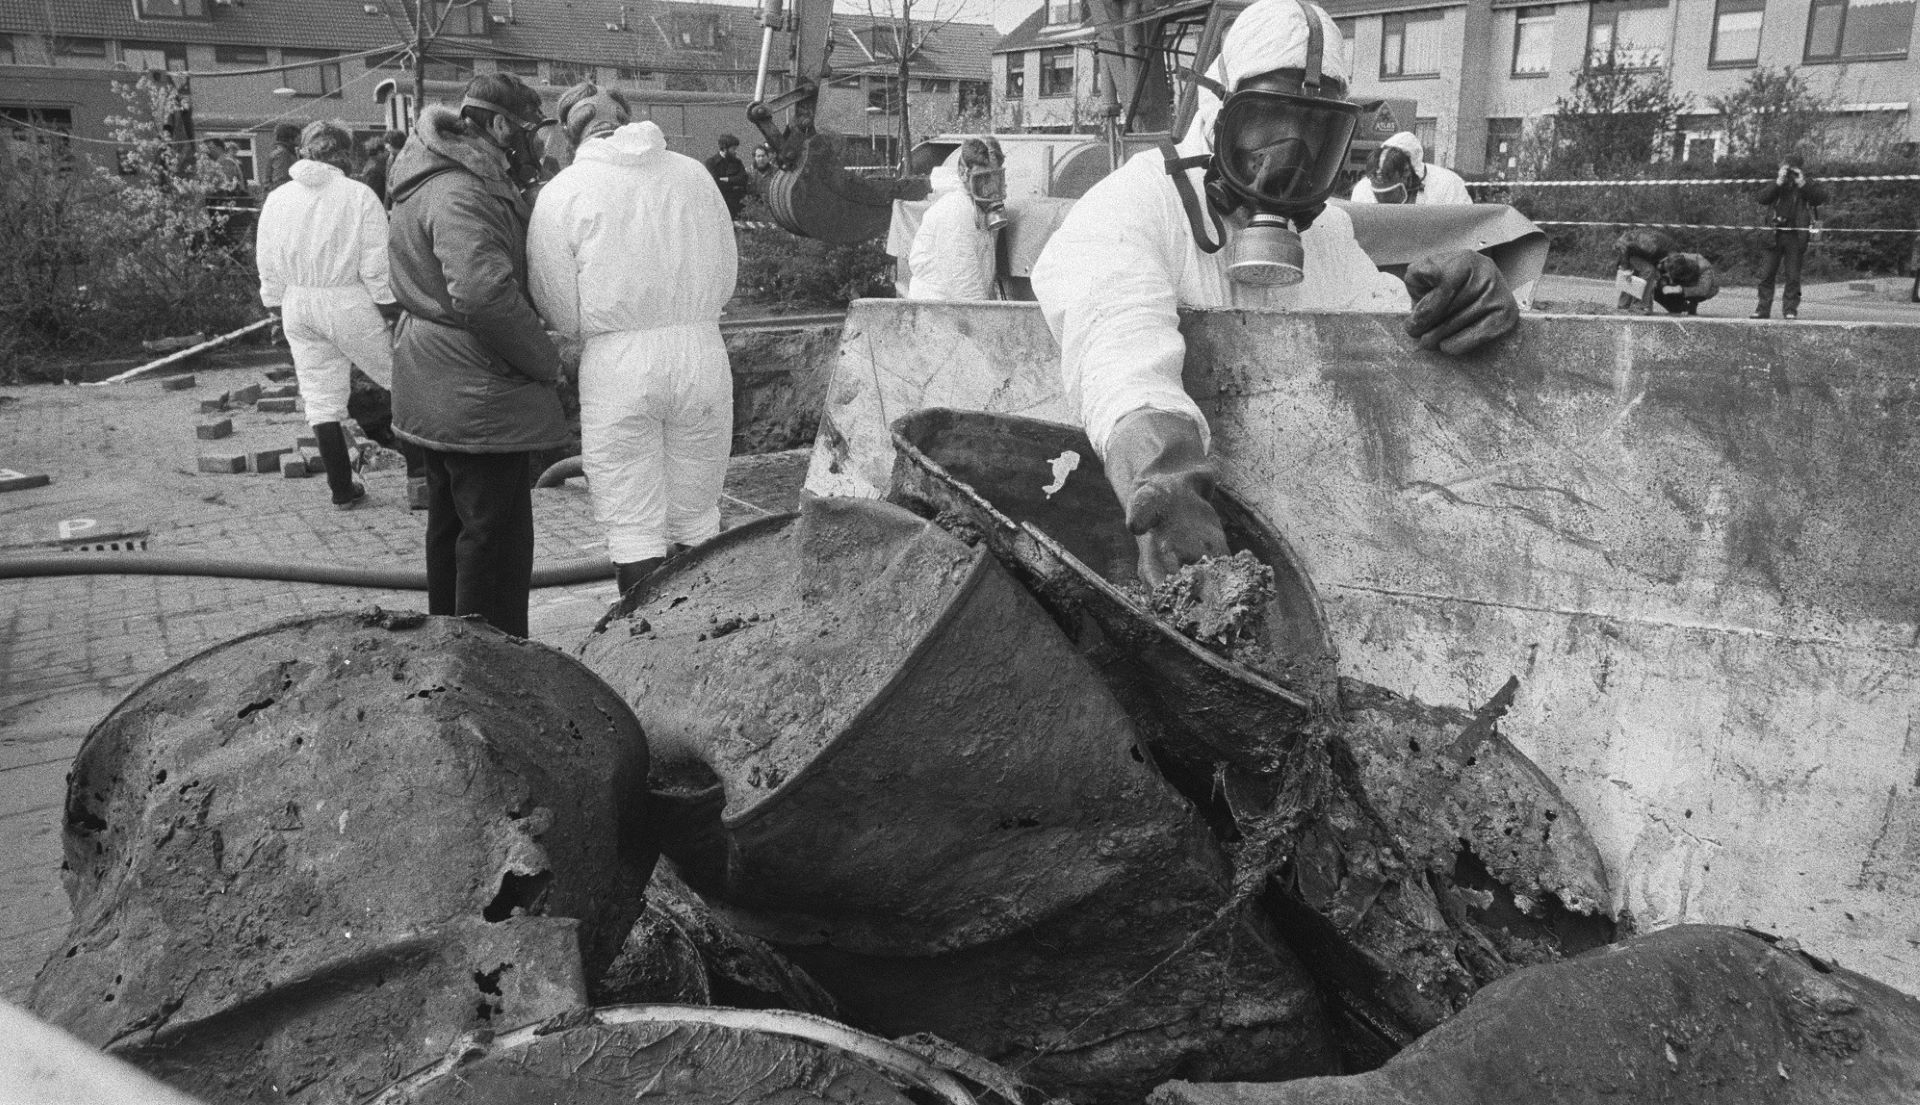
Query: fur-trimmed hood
[441, 141]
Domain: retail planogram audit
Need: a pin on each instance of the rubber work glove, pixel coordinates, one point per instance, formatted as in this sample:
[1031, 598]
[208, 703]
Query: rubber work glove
[1460, 302]
[1159, 469]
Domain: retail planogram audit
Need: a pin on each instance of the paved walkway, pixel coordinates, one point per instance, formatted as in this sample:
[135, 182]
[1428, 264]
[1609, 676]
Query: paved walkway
[124, 464]
[1832, 302]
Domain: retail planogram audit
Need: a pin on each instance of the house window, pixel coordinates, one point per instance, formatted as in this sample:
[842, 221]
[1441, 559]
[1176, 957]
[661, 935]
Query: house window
[1533, 41]
[241, 55]
[6, 50]
[468, 18]
[143, 56]
[973, 97]
[315, 78]
[1056, 72]
[525, 68]
[452, 70]
[1700, 150]
[1016, 76]
[1736, 32]
[1503, 147]
[1845, 30]
[1428, 132]
[37, 132]
[936, 84]
[1063, 11]
[883, 95]
[566, 76]
[1628, 34]
[79, 50]
[1410, 45]
[171, 9]
[698, 31]
[242, 146]
[627, 73]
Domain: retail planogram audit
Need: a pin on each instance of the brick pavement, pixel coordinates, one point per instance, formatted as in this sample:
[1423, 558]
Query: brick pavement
[125, 457]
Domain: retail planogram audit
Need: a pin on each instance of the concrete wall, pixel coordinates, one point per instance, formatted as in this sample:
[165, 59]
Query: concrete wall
[1689, 539]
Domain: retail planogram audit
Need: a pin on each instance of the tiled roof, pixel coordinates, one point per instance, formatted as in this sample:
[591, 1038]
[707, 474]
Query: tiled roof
[647, 34]
[1026, 36]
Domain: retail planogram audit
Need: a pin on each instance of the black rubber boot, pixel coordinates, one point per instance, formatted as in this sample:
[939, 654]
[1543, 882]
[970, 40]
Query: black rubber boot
[625, 576]
[347, 490]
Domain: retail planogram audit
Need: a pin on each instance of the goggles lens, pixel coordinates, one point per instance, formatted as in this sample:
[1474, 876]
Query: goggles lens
[1283, 150]
[987, 184]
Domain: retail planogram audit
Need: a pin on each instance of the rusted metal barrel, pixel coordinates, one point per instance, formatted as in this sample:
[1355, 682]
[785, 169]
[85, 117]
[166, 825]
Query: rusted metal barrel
[934, 806]
[318, 853]
[992, 473]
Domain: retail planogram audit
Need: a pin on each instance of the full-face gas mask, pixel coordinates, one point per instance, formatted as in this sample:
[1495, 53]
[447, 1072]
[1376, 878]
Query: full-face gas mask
[987, 186]
[1279, 143]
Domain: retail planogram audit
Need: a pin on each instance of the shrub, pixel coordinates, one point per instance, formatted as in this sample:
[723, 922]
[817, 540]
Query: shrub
[101, 257]
[781, 270]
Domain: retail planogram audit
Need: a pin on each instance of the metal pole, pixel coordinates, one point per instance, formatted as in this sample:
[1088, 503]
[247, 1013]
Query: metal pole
[419, 56]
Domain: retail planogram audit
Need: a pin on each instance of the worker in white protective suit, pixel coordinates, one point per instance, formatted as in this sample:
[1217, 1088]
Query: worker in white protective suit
[322, 253]
[631, 252]
[952, 256]
[1397, 172]
[1235, 216]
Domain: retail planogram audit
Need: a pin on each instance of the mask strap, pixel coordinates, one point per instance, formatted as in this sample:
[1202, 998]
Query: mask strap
[1316, 43]
[1177, 167]
[1204, 81]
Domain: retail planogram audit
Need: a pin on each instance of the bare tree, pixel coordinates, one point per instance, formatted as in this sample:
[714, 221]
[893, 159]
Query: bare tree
[1774, 113]
[421, 23]
[899, 32]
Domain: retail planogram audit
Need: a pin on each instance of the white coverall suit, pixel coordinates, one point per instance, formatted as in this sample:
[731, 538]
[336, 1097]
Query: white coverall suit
[952, 254]
[1124, 260]
[1438, 184]
[322, 252]
[631, 251]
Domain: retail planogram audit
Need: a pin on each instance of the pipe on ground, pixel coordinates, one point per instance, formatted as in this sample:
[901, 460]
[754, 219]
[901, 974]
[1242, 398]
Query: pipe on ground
[337, 575]
[561, 471]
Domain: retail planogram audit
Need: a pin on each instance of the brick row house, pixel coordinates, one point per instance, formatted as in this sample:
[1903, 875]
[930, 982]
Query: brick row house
[1479, 70]
[255, 63]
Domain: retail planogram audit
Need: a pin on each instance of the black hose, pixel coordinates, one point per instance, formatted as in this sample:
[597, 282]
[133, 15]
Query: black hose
[337, 575]
[560, 472]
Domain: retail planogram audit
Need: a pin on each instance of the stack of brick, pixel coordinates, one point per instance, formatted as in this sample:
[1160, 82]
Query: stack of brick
[276, 397]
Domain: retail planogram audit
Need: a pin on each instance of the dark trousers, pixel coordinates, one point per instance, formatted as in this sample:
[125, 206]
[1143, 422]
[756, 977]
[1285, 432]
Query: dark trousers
[480, 536]
[1788, 252]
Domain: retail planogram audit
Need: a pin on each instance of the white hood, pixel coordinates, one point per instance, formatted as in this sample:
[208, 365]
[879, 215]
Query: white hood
[628, 146]
[1408, 143]
[1269, 35]
[314, 174]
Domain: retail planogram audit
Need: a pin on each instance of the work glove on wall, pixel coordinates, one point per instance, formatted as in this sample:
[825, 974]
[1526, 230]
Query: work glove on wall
[1158, 467]
[1460, 302]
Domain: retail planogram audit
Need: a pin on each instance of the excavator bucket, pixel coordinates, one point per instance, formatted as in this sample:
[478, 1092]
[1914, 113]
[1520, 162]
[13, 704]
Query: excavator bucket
[821, 198]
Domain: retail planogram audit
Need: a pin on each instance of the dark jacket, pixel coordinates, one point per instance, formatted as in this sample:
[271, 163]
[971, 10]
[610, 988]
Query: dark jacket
[1792, 204]
[280, 165]
[473, 371]
[374, 174]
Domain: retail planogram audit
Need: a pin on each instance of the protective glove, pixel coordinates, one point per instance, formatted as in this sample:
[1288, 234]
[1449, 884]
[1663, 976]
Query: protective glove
[1159, 469]
[1460, 302]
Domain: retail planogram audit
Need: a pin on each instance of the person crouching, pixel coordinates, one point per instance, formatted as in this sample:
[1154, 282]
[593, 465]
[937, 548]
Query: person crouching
[1686, 281]
[631, 252]
[322, 253]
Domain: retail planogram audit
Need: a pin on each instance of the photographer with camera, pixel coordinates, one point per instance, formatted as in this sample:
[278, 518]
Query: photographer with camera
[1792, 201]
